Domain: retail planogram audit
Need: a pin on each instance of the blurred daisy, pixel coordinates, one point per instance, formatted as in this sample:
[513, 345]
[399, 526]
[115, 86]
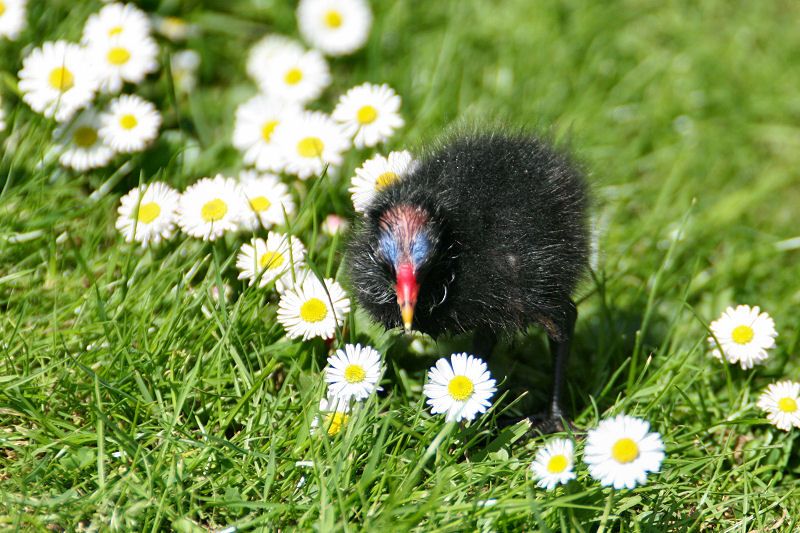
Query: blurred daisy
[116, 20]
[12, 18]
[313, 309]
[253, 133]
[622, 450]
[123, 59]
[130, 123]
[460, 388]
[183, 67]
[376, 174]
[333, 224]
[2, 115]
[147, 213]
[781, 402]
[336, 27]
[211, 207]
[57, 80]
[333, 416]
[269, 200]
[80, 145]
[369, 113]
[744, 334]
[270, 259]
[295, 77]
[309, 142]
[175, 28]
[264, 51]
[553, 464]
[353, 372]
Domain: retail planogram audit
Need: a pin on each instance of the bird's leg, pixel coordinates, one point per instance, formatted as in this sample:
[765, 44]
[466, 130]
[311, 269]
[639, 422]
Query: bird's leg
[483, 343]
[559, 350]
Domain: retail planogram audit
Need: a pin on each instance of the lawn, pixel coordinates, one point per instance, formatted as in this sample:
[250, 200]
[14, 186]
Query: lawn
[135, 399]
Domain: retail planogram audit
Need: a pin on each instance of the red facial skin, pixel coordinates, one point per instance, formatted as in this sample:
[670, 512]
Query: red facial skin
[407, 290]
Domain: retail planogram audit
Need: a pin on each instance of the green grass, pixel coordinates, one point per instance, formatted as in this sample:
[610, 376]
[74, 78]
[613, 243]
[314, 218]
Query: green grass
[125, 405]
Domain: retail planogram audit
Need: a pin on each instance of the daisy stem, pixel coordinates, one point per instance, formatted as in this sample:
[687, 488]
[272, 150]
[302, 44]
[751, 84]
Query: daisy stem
[606, 512]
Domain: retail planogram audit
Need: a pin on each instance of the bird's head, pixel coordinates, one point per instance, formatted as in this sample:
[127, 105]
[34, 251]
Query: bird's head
[400, 263]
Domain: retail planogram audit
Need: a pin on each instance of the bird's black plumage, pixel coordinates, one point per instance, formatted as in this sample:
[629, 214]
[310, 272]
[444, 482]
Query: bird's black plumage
[506, 238]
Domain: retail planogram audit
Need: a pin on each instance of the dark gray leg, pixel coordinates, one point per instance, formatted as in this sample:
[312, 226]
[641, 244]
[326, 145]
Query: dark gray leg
[559, 349]
[483, 343]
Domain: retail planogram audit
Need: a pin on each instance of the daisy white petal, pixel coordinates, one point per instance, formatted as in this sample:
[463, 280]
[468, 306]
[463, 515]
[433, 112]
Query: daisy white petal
[553, 464]
[264, 51]
[253, 134]
[460, 387]
[369, 113]
[268, 198]
[116, 20]
[377, 173]
[333, 416]
[12, 18]
[271, 259]
[781, 402]
[211, 207]
[147, 213]
[175, 28]
[313, 309]
[334, 224]
[57, 80]
[122, 59]
[336, 27]
[80, 145]
[130, 124]
[621, 451]
[183, 67]
[295, 77]
[353, 372]
[744, 334]
[309, 142]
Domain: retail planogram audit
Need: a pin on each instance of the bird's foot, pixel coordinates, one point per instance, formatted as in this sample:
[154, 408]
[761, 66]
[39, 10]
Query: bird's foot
[542, 424]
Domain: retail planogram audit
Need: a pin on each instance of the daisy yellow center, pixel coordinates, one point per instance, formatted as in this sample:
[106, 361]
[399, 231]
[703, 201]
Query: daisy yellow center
[148, 212]
[624, 450]
[314, 310]
[271, 260]
[128, 122]
[742, 334]
[367, 114]
[61, 79]
[267, 129]
[557, 464]
[335, 422]
[333, 19]
[84, 136]
[460, 388]
[118, 56]
[2, 8]
[787, 405]
[354, 373]
[293, 76]
[385, 179]
[214, 210]
[260, 203]
[116, 30]
[310, 147]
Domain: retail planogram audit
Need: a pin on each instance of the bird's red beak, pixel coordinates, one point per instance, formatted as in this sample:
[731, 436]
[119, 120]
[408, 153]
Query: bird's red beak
[407, 289]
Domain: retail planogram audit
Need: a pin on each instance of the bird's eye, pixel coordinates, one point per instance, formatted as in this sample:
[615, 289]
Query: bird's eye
[387, 248]
[420, 248]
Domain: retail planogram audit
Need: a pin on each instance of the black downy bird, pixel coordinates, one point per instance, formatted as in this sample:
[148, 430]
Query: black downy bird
[488, 233]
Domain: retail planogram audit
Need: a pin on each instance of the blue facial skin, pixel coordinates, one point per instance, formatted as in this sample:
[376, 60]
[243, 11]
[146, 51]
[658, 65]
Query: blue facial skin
[418, 252]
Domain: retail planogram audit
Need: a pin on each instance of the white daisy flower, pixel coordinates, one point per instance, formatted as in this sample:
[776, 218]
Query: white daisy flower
[271, 259]
[13, 18]
[123, 59]
[175, 28]
[309, 142]
[744, 334]
[553, 464]
[333, 416]
[336, 27]
[313, 309]
[147, 213]
[781, 402]
[353, 372]
[460, 388]
[183, 66]
[253, 133]
[295, 77]
[622, 450]
[333, 225]
[269, 200]
[264, 51]
[376, 174]
[80, 145]
[369, 113]
[130, 123]
[116, 20]
[211, 207]
[57, 80]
